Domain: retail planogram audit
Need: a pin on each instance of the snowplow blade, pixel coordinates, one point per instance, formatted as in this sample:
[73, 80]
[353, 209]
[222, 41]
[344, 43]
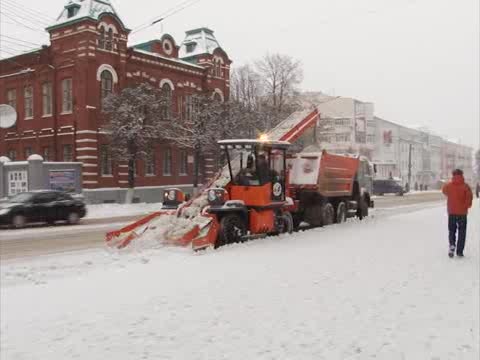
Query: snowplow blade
[200, 236]
[207, 236]
[124, 236]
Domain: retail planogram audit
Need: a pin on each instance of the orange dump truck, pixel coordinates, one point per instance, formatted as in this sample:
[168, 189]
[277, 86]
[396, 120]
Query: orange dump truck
[329, 188]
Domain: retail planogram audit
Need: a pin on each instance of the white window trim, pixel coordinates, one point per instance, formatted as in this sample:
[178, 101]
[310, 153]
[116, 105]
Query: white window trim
[167, 81]
[110, 69]
[107, 27]
[219, 92]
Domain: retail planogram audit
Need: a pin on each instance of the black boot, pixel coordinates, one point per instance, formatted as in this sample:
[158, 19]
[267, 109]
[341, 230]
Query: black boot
[451, 251]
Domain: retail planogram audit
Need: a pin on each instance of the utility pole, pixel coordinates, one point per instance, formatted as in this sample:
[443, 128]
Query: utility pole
[409, 166]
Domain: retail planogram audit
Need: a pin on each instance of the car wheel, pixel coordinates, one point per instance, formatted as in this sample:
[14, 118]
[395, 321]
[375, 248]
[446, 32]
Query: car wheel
[73, 218]
[19, 221]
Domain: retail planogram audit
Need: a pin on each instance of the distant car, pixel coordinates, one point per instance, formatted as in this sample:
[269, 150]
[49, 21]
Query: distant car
[389, 186]
[46, 206]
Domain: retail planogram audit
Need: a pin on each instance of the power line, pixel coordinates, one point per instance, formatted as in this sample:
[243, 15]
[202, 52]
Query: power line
[15, 43]
[147, 24]
[20, 23]
[10, 51]
[172, 11]
[20, 40]
[34, 12]
[11, 48]
[28, 21]
[20, 13]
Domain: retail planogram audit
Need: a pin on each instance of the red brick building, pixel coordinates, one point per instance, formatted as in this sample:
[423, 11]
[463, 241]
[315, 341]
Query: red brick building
[57, 92]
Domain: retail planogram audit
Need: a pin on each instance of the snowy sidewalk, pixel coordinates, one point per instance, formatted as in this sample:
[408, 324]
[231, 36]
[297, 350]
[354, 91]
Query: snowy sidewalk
[381, 289]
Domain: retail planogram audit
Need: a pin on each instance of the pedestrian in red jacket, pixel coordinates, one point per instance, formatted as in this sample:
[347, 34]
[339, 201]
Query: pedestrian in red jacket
[459, 200]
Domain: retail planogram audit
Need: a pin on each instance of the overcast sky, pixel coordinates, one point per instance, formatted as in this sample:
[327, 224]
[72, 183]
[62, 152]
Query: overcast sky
[417, 60]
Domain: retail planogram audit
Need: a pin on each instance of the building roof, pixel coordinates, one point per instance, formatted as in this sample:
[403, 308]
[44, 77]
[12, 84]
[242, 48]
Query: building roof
[178, 61]
[198, 42]
[91, 9]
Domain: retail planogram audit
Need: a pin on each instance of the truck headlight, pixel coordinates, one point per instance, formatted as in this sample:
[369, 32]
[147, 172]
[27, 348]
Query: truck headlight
[216, 196]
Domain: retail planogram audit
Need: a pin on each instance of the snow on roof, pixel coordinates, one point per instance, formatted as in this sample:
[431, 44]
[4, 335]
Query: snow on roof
[21, 72]
[254, 142]
[197, 42]
[454, 141]
[167, 58]
[4, 159]
[84, 8]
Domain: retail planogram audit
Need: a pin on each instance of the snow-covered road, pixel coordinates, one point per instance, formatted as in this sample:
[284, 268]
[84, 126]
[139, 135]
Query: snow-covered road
[379, 289]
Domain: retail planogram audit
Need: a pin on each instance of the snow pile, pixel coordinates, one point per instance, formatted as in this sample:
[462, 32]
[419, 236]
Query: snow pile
[379, 289]
[189, 216]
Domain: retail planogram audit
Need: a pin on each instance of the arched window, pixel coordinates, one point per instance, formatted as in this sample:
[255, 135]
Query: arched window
[167, 98]
[109, 42]
[218, 68]
[217, 97]
[106, 79]
[101, 40]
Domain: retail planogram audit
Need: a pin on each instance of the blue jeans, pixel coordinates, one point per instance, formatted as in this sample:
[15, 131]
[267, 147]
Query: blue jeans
[457, 222]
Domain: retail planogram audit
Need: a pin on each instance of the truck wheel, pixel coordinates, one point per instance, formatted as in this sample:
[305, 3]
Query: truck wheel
[362, 211]
[328, 214]
[285, 223]
[232, 229]
[313, 215]
[297, 220]
[341, 213]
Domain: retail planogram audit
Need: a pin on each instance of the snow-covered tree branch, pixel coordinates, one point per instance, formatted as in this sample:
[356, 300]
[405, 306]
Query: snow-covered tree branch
[137, 119]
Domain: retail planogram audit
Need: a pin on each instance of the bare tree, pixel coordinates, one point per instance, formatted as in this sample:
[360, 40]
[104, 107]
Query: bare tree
[136, 121]
[197, 128]
[281, 74]
[247, 87]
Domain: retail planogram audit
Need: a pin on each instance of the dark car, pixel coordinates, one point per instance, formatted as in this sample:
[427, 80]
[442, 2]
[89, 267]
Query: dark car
[41, 206]
[390, 186]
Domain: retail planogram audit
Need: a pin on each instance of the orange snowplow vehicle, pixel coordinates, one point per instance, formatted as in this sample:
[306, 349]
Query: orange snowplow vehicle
[249, 202]
[254, 203]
